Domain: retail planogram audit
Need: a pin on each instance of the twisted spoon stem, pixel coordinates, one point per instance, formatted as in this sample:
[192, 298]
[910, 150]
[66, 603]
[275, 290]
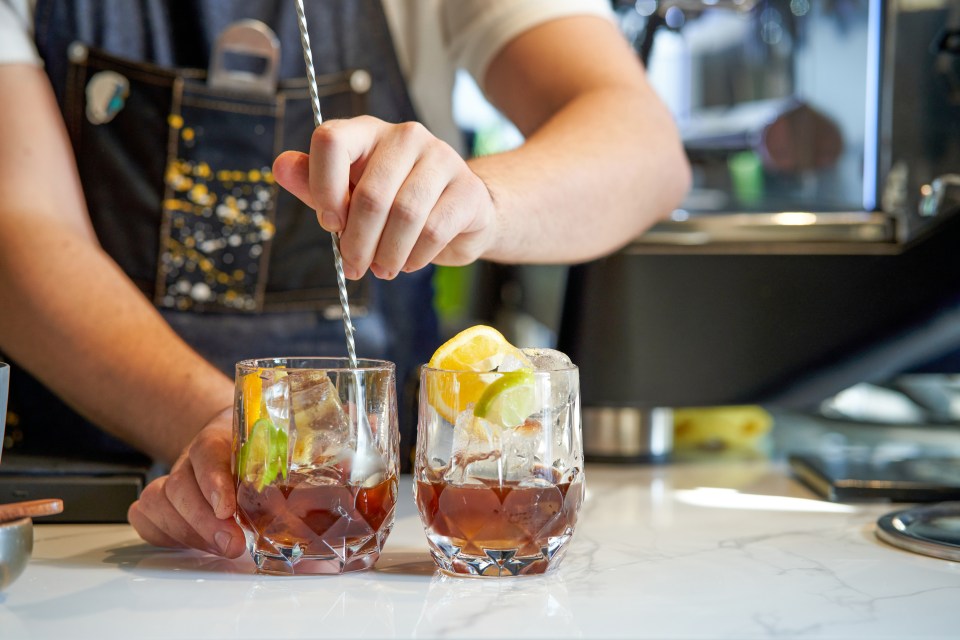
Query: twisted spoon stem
[335, 239]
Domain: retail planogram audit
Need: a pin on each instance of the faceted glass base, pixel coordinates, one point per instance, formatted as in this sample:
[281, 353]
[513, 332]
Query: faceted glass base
[311, 565]
[354, 554]
[495, 563]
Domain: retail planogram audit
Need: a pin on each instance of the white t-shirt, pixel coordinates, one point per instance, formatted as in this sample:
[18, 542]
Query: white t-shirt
[433, 39]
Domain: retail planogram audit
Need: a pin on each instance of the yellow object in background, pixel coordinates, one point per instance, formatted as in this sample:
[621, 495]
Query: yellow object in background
[718, 428]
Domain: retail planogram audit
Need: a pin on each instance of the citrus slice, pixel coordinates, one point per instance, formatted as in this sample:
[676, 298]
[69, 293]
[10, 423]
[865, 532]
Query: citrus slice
[479, 348]
[264, 454]
[252, 388]
[509, 400]
[475, 351]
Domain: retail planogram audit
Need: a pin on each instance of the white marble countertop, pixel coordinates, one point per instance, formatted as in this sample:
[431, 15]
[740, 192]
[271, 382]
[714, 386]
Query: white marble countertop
[687, 550]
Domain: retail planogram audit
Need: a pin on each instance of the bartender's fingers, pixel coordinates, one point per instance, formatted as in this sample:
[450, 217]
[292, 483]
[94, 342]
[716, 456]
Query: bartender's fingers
[338, 152]
[453, 234]
[376, 197]
[209, 455]
[154, 508]
[415, 199]
[183, 492]
[149, 531]
[291, 170]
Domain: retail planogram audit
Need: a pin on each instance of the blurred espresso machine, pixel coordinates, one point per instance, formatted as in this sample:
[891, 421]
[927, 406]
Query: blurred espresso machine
[820, 245]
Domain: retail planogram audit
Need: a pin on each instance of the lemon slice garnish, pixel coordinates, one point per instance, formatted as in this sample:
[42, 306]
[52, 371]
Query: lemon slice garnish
[480, 350]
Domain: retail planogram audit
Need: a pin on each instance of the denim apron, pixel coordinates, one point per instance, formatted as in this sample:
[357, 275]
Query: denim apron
[174, 149]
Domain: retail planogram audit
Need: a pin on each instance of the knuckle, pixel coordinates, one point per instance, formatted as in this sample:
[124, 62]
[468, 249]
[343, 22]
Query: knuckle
[204, 441]
[448, 154]
[476, 186]
[406, 210]
[434, 232]
[134, 515]
[472, 187]
[412, 130]
[148, 497]
[172, 487]
[429, 176]
[367, 198]
[152, 492]
[205, 450]
[201, 441]
[324, 135]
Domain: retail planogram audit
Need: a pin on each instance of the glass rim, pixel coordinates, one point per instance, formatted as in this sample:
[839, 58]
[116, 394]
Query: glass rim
[424, 368]
[315, 363]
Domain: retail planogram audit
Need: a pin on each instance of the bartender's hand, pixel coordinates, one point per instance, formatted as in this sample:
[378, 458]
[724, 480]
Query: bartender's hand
[194, 505]
[399, 197]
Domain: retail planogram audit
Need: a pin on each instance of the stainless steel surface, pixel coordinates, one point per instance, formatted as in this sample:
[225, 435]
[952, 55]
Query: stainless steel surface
[701, 5]
[929, 530]
[627, 433]
[785, 226]
[16, 545]
[318, 120]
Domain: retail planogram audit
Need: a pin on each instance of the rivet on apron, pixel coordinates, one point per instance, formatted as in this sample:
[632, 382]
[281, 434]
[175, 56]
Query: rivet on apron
[77, 52]
[360, 81]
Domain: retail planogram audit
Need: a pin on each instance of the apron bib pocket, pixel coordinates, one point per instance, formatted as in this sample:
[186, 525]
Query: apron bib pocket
[199, 224]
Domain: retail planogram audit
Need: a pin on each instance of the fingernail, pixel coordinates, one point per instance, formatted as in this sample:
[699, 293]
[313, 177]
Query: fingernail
[223, 540]
[215, 499]
[330, 221]
[382, 273]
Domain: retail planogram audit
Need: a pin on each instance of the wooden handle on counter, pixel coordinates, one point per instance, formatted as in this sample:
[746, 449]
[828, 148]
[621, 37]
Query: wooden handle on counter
[30, 508]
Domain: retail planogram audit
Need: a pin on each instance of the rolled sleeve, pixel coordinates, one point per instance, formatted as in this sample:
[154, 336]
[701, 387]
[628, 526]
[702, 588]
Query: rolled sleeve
[16, 33]
[476, 30]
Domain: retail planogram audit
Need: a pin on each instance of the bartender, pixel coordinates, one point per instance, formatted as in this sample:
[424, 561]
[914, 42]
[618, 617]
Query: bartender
[127, 309]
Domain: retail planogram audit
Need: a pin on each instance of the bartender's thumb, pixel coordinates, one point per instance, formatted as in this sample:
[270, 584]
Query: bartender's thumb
[291, 170]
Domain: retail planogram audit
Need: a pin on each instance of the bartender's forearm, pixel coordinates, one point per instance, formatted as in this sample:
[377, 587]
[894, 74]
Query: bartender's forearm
[67, 312]
[600, 146]
[74, 320]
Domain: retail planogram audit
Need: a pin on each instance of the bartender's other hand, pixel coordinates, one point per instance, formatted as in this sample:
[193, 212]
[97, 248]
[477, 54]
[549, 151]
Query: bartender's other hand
[194, 505]
[399, 197]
